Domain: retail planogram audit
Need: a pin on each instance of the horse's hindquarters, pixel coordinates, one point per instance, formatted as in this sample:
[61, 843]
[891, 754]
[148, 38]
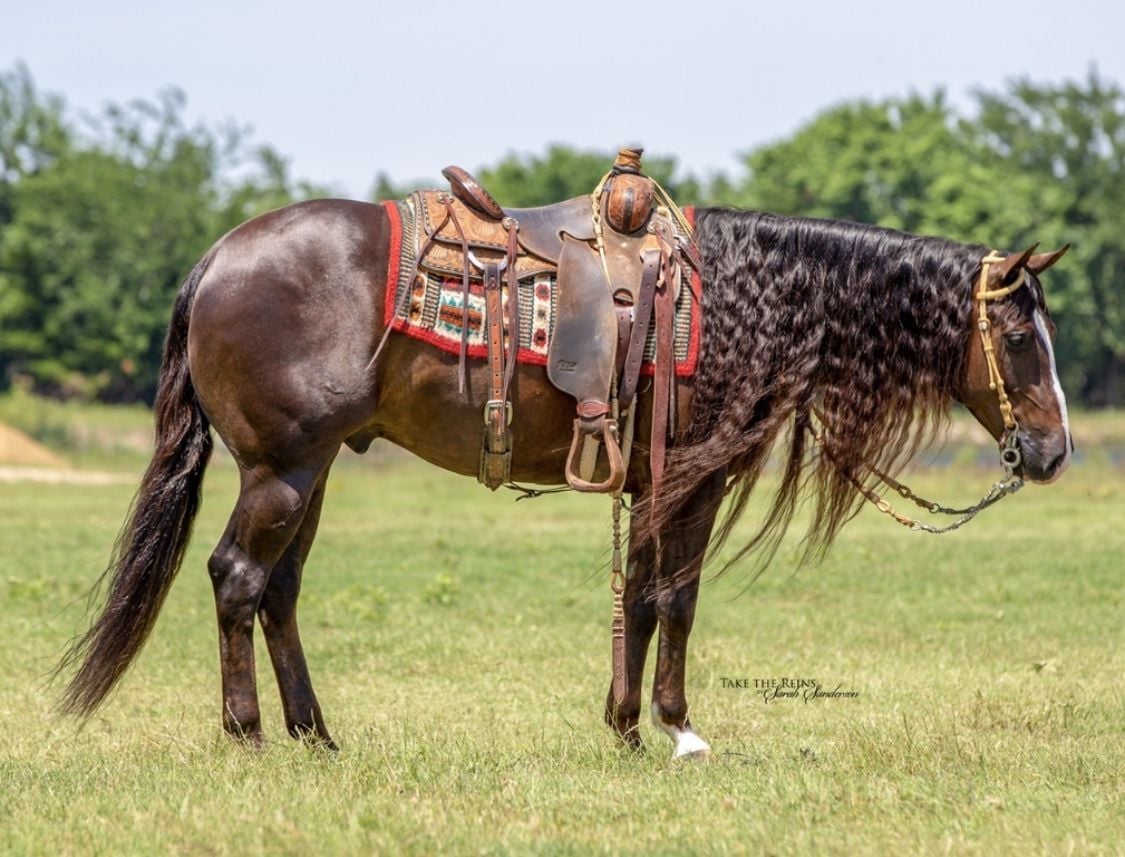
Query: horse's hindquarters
[283, 325]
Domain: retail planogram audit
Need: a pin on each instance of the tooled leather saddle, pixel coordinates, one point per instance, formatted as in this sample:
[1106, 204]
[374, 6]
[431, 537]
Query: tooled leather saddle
[620, 258]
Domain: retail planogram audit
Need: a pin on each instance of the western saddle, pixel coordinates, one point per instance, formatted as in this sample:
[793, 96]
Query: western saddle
[620, 257]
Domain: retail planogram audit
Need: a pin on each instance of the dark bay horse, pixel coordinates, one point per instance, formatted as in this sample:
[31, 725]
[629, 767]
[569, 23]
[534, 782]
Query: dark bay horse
[855, 336]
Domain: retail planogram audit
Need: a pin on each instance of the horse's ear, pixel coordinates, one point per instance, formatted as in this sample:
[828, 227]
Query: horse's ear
[1040, 262]
[1005, 273]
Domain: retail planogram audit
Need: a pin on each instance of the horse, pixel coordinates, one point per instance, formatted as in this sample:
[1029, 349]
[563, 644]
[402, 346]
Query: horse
[849, 341]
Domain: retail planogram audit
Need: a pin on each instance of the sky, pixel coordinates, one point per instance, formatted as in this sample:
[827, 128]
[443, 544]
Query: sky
[346, 89]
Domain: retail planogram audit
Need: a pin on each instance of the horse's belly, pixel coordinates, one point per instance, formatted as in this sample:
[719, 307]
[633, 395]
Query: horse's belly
[421, 408]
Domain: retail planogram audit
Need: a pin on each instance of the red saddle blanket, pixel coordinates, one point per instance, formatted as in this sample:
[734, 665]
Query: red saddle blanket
[434, 310]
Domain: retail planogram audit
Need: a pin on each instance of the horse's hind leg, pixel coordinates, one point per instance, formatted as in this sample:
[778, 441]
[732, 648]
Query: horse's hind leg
[681, 561]
[271, 506]
[277, 613]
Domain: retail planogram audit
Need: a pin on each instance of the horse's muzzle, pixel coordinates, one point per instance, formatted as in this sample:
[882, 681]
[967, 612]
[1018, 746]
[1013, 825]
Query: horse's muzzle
[1045, 460]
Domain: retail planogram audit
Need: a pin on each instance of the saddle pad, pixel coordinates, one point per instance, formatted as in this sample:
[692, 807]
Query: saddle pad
[434, 310]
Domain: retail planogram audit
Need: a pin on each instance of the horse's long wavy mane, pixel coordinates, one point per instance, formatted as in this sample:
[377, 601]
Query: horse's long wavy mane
[805, 320]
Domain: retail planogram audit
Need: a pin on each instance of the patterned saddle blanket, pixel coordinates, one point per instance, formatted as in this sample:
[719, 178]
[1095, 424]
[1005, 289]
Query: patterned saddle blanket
[434, 311]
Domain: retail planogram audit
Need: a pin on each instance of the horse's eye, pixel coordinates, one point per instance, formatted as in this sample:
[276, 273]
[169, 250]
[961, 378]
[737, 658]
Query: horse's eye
[1017, 341]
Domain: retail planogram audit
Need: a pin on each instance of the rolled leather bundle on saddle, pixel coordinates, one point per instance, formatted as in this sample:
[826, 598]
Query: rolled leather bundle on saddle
[628, 195]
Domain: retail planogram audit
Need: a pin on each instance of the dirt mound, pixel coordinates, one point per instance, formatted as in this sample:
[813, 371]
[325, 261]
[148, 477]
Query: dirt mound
[17, 448]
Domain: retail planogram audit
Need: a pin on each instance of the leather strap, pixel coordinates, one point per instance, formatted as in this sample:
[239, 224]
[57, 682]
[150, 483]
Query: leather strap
[624, 313]
[496, 448]
[662, 377]
[513, 304]
[494, 321]
[642, 313]
[592, 408]
[462, 371]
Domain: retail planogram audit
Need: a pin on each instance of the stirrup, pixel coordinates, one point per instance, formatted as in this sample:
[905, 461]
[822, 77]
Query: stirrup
[616, 479]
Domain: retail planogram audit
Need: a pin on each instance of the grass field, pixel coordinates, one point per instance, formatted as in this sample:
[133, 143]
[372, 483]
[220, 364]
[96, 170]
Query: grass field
[463, 676]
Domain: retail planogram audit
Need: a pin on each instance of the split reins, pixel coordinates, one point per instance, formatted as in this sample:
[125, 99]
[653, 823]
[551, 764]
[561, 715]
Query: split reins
[1010, 456]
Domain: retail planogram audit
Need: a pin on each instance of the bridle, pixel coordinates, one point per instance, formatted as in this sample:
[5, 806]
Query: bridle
[1010, 452]
[1010, 456]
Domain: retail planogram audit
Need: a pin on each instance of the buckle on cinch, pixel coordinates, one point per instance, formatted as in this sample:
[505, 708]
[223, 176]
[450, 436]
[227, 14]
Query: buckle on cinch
[493, 405]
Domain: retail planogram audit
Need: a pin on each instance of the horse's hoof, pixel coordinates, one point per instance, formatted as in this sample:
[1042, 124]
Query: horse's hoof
[247, 740]
[313, 737]
[691, 746]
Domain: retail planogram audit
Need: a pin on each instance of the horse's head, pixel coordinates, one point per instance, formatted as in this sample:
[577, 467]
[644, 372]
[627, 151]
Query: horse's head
[1011, 384]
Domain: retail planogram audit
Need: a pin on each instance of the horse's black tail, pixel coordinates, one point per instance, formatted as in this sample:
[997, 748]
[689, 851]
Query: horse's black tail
[151, 544]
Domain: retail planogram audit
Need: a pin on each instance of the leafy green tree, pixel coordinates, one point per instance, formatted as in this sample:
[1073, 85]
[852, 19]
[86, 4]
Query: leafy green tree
[102, 230]
[904, 163]
[564, 172]
[1069, 141]
[387, 188]
[33, 133]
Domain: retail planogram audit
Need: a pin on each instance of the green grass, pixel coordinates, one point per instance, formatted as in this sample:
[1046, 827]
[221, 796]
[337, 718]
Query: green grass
[463, 676]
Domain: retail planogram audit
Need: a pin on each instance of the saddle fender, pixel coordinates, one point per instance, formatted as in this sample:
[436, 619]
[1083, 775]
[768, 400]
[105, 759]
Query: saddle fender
[581, 356]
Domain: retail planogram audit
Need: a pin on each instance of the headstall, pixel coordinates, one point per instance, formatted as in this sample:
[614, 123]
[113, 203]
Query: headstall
[1010, 457]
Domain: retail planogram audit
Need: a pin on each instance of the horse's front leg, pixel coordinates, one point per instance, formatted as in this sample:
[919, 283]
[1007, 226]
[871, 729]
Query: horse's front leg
[640, 623]
[681, 560]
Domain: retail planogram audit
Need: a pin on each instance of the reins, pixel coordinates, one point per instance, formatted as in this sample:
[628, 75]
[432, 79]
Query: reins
[1010, 457]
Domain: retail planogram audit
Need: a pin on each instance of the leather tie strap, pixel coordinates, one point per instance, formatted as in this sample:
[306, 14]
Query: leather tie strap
[496, 452]
[662, 377]
[617, 585]
[494, 312]
[513, 228]
[642, 314]
[461, 365]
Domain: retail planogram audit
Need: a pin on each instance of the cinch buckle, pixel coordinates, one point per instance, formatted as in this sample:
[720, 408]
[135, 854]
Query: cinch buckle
[494, 405]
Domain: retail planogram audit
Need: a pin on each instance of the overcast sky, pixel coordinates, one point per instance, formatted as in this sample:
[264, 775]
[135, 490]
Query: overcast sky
[347, 88]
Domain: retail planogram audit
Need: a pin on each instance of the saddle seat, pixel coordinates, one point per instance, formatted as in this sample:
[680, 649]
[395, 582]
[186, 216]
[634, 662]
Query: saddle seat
[539, 235]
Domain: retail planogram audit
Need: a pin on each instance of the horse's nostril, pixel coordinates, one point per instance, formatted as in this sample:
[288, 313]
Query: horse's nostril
[1054, 466]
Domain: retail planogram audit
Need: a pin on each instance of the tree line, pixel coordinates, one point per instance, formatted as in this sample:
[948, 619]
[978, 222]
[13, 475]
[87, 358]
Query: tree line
[101, 217]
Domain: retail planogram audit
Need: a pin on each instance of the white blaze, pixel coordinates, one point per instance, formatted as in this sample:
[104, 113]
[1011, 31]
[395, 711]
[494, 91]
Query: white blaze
[1045, 337]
